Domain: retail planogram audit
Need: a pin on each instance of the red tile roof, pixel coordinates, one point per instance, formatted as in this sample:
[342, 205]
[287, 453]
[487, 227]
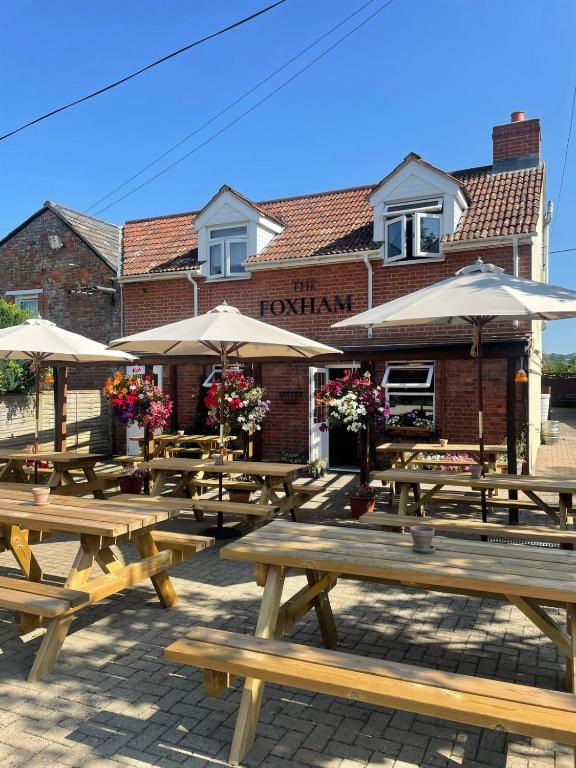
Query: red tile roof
[339, 222]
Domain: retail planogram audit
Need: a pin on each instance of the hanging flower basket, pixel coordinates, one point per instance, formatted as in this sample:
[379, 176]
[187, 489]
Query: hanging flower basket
[135, 399]
[352, 401]
[243, 402]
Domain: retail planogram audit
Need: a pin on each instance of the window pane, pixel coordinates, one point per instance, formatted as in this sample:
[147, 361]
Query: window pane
[408, 376]
[429, 235]
[216, 259]
[237, 256]
[394, 239]
[29, 305]
[422, 406]
[401, 207]
[230, 232]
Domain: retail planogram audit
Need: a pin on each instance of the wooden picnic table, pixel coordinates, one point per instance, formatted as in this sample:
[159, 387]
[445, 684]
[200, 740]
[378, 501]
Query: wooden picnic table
[532, 486]
[404, 453]
[98, 525]
[527, 577]
[63, 462]
[166, 443]
[268, 477]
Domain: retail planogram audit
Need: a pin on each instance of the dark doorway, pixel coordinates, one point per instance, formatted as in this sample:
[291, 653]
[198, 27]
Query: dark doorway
[343, 446]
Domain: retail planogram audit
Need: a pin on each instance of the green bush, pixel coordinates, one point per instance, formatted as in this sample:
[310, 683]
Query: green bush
[15, 375]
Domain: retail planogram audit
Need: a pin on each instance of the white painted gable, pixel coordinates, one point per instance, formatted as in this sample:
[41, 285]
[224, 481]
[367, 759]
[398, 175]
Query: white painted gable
[415, 180]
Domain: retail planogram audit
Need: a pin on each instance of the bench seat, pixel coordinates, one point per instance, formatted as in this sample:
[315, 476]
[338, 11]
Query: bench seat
[37, 598]
[128, 461]
[475, 499]
[460, 698]
[235, 507]
[473, 527]
[183, 543]
[310, 489]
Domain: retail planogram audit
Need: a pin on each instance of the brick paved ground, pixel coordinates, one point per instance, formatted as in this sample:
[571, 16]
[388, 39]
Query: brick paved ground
[112, 701]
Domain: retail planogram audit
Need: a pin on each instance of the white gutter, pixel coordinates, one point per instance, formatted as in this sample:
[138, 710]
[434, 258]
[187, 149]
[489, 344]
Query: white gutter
[151, 277]
[546, 239]
[191, 280]
[366, 260]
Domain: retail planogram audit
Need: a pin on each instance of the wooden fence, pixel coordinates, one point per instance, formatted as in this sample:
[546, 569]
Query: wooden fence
[89, 426]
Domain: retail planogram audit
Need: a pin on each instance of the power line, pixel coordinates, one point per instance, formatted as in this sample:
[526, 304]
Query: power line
[145, 69]
[249, 110]
[564, 250]
[565, 159]
[229, 106]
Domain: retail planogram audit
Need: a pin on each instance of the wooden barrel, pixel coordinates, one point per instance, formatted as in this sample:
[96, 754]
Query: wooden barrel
[550, 432]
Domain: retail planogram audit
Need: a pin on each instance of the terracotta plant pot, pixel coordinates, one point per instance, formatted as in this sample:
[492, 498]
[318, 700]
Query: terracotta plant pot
[360, 506]
[476, 471]
[242, 497]
[130, 484]
[422, 536]
[41, 495]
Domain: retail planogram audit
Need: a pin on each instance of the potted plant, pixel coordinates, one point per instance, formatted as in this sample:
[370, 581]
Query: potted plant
[132, 481]
[240, 495]
[414, 422]
[362, 500]
[317, 468]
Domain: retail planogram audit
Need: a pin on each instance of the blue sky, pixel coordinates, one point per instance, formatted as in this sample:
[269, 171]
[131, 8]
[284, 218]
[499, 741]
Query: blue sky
[429, 77]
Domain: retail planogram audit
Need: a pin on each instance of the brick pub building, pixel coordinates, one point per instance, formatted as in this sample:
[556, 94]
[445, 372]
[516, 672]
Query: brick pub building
[306, 262]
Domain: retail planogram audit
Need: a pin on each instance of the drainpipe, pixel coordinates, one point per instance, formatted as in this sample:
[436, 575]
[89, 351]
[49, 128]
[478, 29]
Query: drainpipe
[546, 238]
[191, 280]
[515, 265]
[369, 268]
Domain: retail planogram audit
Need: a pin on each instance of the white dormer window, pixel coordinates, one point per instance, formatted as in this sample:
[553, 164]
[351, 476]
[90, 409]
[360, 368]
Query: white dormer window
[227, 251]
[412, 230]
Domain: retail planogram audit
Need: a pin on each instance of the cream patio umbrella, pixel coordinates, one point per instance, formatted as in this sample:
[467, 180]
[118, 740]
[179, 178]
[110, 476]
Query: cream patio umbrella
[476, 295]
[43, 343]
[226, 332]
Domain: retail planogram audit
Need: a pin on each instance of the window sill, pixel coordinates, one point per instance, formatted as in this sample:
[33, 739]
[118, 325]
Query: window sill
[413, 262]
[227, 278]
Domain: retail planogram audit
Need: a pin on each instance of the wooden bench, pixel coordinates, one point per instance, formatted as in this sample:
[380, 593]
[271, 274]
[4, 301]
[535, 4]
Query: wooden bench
[473, 527]
[236, 507]
[128, 461]
[182, 543]
[459, 698]
[229, 485]
[475, 499]
[51, 604]
[17, 486]
[102, 483]
[309, 489]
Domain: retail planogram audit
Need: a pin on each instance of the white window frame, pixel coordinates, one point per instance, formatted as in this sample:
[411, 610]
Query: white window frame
[416, 249]
[411, 389]
[433, 210]
[225, 242]
[26, 295]
[429, 367]
[401, 256]
[217, 370]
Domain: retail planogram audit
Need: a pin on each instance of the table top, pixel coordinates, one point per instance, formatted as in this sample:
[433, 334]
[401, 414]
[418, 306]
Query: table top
[60, 457]
[506, 482]
[79, 516]
[511, 569]
[264, 468]
[437, 448]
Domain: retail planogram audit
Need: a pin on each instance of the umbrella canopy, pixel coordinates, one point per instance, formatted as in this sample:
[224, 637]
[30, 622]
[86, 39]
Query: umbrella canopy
[478, 291]
[222, 330]
[477, 295]
[226, 332]
[43, 343]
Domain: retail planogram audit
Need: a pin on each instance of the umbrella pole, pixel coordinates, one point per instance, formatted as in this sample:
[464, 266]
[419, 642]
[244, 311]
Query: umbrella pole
[38, 371]
[480, 362]
[223, 362]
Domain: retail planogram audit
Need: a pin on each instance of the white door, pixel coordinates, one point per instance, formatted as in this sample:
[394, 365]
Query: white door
[318, 441]
[134, 430]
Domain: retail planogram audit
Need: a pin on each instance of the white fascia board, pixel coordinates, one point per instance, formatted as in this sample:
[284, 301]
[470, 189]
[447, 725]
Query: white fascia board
[312, 261]
[418, 180]
[151, 277]
[488, 242]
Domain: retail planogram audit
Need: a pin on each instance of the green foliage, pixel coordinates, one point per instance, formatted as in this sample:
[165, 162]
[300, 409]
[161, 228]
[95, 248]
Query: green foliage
[15, 376]
[556, 364]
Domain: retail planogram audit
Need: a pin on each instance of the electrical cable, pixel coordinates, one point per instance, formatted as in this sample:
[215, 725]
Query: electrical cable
[565, 160]
[144, 69]
[248, 111]
[229, 106]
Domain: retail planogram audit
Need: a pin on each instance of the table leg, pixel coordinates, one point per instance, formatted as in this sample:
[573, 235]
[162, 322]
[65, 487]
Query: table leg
[91, 476]
[565, 504]
[403, 500]
[249, 710]
[159, 482]
[147, 548]
[324, 613]
[50, 648]
[571, 660]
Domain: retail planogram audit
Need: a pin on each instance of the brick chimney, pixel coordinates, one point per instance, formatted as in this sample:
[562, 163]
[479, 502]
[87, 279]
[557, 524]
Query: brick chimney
[516, 144]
